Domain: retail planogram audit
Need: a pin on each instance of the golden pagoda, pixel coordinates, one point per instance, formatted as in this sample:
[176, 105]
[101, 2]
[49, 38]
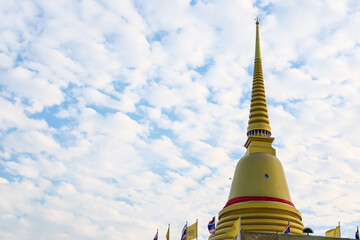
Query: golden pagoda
[259, 192]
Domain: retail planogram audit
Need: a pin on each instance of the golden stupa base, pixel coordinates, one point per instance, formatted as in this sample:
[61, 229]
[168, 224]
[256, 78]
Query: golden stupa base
[258, 216]
[274, 236]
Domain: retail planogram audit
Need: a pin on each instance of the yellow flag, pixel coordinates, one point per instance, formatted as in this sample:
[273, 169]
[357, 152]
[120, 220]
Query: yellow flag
[168, 233]
[192, 231]
[235, 229]
[333, 232]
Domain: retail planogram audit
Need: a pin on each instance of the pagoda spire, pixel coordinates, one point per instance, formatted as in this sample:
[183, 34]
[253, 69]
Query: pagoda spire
[259, 194]
[259, 124]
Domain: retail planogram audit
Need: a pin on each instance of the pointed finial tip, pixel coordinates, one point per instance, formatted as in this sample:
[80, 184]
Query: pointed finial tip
[257, 20]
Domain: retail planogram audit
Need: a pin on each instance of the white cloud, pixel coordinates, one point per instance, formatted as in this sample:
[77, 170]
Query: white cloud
[32, 142]
[167, 153]
[12, 116]
[39, 92]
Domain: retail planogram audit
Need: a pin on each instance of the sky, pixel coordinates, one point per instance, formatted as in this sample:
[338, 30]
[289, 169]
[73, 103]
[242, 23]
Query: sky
[118, 118]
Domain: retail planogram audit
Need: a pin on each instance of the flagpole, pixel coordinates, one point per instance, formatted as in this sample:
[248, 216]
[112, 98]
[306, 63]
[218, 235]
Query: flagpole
[289, 225]
[238, 237]
[240, 228]
[196, 229]
[168, 233]
[215, 227]
[186, 230]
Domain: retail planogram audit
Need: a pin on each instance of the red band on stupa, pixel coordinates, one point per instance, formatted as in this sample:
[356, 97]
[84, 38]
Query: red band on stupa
[256, 198]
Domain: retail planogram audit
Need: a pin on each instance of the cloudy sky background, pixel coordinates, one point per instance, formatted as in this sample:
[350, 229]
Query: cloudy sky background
[120, 117]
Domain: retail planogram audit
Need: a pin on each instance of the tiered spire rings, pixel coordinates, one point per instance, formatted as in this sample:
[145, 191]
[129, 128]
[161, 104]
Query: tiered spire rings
[258, 118]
